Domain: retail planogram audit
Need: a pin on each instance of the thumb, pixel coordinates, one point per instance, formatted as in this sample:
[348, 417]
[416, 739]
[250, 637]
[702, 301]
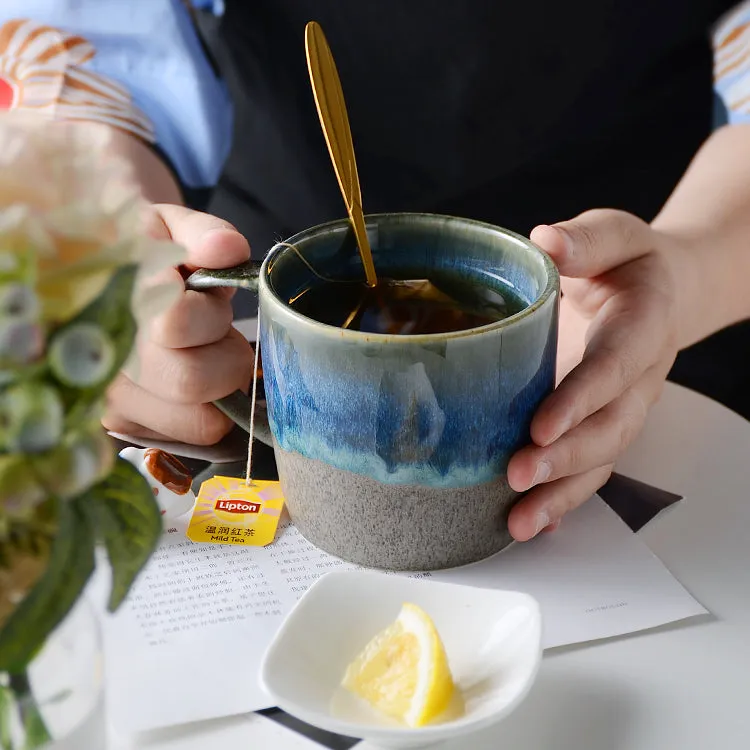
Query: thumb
[210, 242]
[594, 242]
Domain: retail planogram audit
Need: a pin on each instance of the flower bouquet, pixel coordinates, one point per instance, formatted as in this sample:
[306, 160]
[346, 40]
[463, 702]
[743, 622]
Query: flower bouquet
[75, 262]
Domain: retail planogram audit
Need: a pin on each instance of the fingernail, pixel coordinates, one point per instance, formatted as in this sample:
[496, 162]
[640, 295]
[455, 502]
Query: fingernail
[543, 470]
[542, 521]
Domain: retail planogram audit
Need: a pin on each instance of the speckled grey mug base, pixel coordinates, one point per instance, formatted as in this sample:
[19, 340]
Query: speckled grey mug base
[378, 525]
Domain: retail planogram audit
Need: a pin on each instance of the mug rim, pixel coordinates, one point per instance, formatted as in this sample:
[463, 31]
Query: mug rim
[266, 289]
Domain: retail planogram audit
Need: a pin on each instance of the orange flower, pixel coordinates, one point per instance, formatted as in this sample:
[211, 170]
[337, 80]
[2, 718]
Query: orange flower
[70, 214]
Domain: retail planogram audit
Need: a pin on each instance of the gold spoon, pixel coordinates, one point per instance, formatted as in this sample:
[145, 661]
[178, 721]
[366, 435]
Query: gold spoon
[329, 100]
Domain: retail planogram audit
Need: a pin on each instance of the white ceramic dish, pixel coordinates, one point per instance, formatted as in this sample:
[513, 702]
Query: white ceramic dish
[492, 638]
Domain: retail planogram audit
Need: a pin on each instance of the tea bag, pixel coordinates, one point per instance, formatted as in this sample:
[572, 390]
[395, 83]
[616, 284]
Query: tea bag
[239, 510]
[398, 306]
[421, 306]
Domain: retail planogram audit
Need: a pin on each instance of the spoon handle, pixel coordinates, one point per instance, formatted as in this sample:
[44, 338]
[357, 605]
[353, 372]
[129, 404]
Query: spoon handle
[329, 100]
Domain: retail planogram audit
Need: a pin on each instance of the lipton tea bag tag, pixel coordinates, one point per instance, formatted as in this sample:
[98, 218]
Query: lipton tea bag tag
[232, 510]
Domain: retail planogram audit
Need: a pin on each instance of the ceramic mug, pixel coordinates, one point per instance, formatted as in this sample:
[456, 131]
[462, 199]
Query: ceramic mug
[392, 450]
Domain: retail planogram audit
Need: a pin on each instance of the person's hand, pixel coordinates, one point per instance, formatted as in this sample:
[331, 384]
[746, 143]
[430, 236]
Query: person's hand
[191, 355]
[618, 340]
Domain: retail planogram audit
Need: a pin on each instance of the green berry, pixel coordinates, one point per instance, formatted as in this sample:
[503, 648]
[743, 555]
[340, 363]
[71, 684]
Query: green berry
[31, 418]
[19, 489]
[19, 302]
[21, 339]
[82, 355]
[82, 460]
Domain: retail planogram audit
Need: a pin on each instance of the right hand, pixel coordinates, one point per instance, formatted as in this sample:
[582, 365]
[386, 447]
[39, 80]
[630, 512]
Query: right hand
[191, 355]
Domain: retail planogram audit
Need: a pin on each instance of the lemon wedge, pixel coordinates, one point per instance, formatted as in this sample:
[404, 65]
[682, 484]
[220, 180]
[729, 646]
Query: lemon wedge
[403, 671]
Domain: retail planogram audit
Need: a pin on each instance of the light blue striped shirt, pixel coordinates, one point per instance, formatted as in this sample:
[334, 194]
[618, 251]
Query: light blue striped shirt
[152, 48]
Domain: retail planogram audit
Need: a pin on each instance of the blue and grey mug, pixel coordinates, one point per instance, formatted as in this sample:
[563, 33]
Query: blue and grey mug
[392, 450]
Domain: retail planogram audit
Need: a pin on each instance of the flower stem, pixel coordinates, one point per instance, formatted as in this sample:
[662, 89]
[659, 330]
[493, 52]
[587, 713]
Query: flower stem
[7, 704]
[36, 734]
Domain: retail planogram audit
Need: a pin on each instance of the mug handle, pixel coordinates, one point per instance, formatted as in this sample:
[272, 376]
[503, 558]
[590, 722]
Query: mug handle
[236, 405]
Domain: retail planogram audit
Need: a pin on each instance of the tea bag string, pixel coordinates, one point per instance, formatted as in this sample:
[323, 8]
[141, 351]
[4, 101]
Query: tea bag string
[353, 314]
[251, 431]
[307, 263]
[249, 467]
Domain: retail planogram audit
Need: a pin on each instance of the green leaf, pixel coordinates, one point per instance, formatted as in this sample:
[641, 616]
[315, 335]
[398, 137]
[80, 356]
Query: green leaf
[7, 708]
[35, 730]
[111, 312]
[127, 518]
[70, 566]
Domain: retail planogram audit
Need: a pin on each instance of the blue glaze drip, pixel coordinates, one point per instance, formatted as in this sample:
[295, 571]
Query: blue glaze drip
[448, 430]
[448, 413]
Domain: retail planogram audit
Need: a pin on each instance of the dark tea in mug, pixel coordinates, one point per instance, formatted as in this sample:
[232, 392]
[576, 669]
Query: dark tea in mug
[406, 307]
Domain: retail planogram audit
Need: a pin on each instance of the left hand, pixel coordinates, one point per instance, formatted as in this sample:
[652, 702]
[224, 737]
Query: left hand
[617, 343]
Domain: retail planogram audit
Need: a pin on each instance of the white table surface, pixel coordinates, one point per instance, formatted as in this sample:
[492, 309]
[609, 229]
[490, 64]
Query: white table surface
[682, 687]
